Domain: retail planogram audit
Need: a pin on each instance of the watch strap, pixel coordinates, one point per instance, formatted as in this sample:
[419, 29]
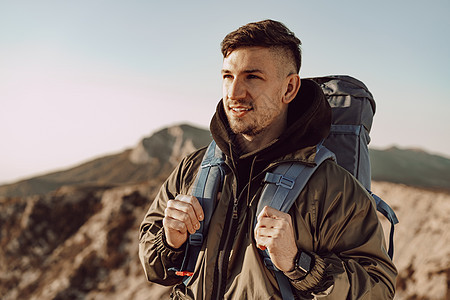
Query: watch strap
[304, 262]
[302, 265]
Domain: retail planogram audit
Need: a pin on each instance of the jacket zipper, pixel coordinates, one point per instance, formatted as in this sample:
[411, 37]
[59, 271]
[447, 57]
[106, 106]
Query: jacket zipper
[223, 260]
[235, 209]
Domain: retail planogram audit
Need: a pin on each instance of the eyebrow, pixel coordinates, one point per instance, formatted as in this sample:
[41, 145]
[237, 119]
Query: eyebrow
[225, 71]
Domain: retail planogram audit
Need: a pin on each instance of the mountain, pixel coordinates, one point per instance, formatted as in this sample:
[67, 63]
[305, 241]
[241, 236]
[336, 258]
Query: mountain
[154, 156]
[80, 240]
[158, 154]
[411, 167]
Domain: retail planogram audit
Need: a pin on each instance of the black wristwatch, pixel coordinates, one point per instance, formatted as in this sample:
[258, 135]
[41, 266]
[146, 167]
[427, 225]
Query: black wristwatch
[302, 265]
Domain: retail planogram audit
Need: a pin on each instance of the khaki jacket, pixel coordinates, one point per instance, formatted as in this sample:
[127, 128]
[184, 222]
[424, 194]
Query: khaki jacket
[334, 220]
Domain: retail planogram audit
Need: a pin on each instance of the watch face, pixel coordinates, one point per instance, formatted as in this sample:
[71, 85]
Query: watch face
[304, 262]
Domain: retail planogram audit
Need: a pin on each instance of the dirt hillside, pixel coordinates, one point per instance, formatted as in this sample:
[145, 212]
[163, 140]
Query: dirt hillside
[81, 243]
[422, 240]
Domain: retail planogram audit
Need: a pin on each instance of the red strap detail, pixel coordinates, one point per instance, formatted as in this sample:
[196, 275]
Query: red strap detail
[184, 273]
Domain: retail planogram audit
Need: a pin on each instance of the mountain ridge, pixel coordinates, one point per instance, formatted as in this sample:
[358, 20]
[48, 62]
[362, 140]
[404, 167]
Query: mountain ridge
[411, 167]
[153, 156]
[158, 154]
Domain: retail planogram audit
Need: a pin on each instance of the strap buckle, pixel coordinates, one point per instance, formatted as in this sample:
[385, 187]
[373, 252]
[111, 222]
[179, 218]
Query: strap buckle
[285, 182]
[196, 239]
[279, 180]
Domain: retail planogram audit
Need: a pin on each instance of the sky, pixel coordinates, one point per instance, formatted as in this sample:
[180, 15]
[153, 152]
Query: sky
[83, 79]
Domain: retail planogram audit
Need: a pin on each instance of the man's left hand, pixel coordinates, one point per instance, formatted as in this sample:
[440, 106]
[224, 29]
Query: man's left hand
[275, 232]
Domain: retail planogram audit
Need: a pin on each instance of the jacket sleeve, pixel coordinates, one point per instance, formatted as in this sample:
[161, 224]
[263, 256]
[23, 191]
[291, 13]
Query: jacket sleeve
[156, 256]
[350, 257]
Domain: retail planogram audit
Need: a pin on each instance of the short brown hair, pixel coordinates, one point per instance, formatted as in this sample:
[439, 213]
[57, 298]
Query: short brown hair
[267, 33]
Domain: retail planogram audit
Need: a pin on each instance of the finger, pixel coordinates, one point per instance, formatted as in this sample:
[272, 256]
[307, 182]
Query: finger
[174, 224]
[187, 204]
[193, 201]
[265, 213]
[262, 237]
[272, 228]
[267, 232]
[262, 243]
[269, 222]
[258, 241]
[262, 247]
[270, 212]
[183, 213]
[269, 238]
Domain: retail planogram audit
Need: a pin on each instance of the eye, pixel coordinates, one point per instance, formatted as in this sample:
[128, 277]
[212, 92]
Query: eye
[252, 76]
[226, 76]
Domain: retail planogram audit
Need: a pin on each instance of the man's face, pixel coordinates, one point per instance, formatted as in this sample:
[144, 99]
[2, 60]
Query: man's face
[252, 90]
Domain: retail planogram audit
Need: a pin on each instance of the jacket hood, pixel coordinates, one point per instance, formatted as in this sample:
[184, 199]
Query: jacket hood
[309, 122]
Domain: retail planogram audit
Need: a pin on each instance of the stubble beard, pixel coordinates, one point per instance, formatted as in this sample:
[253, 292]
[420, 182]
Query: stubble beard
[257, 121]
[252, 127]
[238, 126]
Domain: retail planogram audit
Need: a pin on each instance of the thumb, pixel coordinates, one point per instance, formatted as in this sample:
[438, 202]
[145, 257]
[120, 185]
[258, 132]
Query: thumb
[270, 212]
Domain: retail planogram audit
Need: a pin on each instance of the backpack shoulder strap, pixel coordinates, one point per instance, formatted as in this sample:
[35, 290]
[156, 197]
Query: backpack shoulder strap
[389, 213]
[284, 185]
[207, 184]
[282, 188]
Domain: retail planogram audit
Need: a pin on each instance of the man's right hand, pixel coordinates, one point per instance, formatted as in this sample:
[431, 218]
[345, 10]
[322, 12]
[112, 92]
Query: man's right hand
[182, 216]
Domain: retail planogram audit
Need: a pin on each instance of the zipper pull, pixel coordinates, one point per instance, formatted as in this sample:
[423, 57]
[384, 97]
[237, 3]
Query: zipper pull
[235, 209]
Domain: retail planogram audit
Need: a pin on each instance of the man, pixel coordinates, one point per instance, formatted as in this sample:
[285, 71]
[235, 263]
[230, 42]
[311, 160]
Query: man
[268, 115]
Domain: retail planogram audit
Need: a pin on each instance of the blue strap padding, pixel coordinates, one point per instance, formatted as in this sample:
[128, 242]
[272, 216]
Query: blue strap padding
[283, 282]
[284, 285]
[285, 183]
[389, 213]
[207, 184]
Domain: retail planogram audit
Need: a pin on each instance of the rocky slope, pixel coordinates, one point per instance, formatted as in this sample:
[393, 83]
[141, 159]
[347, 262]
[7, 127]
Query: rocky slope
[82, 242]
[75, 243]
[422, 240]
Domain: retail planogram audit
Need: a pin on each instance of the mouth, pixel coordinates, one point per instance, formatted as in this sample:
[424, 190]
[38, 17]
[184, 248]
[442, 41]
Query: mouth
[239, 111]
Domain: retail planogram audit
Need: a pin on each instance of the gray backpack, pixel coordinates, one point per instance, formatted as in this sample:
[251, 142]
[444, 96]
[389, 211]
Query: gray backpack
[353, 108]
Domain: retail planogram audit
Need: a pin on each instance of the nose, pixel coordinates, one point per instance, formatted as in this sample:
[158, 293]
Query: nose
[235, 90]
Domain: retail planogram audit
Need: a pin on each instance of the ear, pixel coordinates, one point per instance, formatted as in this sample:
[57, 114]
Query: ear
[292, 85]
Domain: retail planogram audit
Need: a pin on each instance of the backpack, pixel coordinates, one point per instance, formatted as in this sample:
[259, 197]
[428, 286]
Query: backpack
[353, 108]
